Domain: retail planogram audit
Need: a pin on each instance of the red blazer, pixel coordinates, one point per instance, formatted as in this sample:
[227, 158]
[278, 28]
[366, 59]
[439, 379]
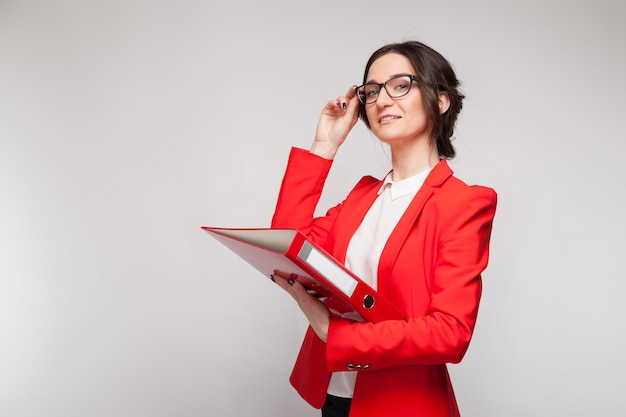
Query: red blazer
[430, 268]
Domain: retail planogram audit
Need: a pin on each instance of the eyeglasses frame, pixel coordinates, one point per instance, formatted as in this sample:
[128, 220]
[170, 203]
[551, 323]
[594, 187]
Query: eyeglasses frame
[384, 85]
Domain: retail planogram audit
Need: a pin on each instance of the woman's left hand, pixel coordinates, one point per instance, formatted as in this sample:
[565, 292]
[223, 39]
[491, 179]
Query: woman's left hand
[314, 310]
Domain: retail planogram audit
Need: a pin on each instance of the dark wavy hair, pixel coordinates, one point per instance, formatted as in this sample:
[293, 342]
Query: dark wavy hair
[436, 76]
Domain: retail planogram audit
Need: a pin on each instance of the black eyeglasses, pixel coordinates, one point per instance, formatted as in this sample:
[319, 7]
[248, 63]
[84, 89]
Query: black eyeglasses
[397, 86]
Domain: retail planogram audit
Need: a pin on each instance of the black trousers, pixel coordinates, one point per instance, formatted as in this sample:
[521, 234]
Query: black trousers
[336, 406]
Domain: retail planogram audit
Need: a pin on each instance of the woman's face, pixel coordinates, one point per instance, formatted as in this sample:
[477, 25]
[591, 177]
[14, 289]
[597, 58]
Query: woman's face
[394, 120]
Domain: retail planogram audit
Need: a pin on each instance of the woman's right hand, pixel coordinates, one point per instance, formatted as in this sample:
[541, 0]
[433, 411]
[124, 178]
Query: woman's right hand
[337, 119]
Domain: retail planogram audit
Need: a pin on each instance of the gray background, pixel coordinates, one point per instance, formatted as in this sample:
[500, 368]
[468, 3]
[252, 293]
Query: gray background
[125, 125]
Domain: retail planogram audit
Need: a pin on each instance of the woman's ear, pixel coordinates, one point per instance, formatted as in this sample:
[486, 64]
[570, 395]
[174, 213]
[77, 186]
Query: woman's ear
[444, 102]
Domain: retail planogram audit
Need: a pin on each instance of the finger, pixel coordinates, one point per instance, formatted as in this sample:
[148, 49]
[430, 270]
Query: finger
[351, 93]
[290, 284]
[282, 281]
[289, 277]
[342, 102]
[333, 108]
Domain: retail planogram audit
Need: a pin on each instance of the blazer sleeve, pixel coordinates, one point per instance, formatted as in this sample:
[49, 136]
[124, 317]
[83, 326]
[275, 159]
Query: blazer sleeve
[442, 334]
[299, 194]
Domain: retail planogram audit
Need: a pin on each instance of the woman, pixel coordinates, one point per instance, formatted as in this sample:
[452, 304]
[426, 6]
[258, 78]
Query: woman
[420, 236]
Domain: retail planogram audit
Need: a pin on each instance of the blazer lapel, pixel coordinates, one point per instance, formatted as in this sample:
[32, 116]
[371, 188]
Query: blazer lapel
[439, 174]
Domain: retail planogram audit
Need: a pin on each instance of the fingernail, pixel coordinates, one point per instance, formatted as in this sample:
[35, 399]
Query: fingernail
[294, 276]
[344, 105]
[272, 278]
[291, 281]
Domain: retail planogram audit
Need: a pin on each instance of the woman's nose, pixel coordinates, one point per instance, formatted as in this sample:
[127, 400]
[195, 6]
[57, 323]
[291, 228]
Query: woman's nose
[384, 99]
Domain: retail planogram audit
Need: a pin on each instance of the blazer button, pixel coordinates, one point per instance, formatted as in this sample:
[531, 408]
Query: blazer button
[366, 366]
[351, 367]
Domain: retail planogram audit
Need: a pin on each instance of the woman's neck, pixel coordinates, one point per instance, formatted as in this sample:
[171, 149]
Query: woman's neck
[413, 159]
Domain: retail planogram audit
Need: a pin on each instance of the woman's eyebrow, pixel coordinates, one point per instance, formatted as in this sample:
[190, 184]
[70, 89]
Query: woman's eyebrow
[390, 77]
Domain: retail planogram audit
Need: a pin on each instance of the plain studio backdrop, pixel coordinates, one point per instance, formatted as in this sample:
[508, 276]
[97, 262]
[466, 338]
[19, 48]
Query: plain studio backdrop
[125, 125]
